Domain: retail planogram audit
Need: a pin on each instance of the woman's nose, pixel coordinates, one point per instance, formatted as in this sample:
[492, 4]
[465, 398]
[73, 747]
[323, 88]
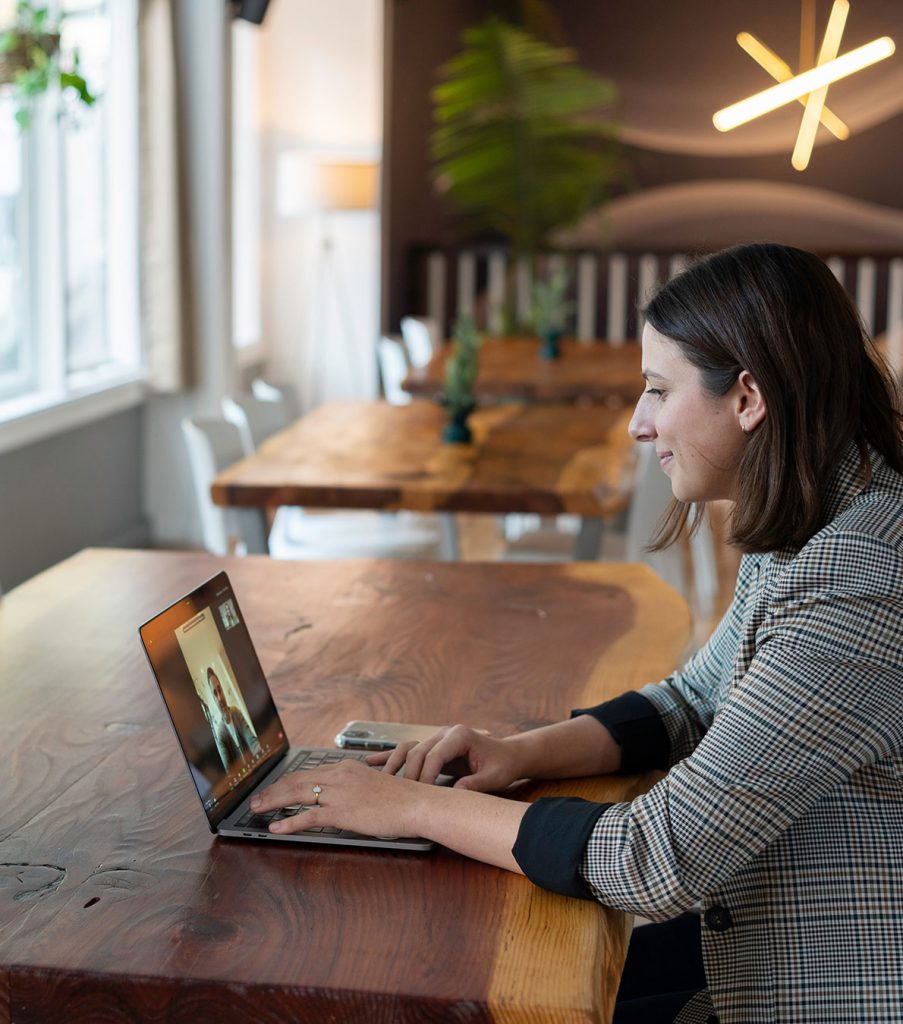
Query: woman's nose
[642, 427]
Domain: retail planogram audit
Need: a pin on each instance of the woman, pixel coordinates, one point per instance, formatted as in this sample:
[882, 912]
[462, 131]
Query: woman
[781, 814]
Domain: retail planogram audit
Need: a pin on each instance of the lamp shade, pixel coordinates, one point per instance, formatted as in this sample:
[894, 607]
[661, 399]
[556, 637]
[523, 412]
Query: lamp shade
[345, 186]
[305, 184]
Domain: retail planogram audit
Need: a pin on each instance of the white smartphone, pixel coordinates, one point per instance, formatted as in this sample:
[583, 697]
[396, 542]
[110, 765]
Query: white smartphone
[359, 735]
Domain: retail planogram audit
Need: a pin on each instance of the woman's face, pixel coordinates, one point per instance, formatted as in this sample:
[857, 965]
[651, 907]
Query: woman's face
[698, 438]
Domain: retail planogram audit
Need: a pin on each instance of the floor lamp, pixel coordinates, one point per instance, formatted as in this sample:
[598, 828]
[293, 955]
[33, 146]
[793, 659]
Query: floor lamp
[323, 189]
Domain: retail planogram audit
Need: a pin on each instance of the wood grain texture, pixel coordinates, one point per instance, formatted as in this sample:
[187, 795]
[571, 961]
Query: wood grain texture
[545, 458]
[512, 368]
[116, 903]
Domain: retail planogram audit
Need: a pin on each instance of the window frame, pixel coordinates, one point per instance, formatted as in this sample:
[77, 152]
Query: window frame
[55, 399]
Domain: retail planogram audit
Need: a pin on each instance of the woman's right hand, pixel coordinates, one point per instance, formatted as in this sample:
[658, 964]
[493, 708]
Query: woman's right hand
[484, 764]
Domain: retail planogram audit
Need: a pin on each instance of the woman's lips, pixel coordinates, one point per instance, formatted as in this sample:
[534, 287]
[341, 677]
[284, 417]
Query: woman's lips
[665, 459]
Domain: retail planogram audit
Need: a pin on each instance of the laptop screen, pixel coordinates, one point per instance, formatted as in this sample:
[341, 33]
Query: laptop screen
[216, 694]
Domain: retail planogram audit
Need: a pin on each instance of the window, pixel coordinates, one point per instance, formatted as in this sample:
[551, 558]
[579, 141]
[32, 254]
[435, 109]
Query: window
[14, 367]
[69, 224]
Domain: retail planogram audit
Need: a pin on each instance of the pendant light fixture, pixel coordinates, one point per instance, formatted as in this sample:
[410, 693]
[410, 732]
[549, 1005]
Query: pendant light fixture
[810, 86]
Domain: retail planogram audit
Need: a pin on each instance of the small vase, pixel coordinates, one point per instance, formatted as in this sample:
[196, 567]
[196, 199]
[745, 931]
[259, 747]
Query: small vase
[550, 348]
[456, 430]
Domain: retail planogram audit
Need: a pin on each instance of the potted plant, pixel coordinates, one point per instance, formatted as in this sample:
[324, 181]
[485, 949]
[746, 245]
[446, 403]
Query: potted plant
[461, 371]
[31, 61]
[523, 143]
[550, 312]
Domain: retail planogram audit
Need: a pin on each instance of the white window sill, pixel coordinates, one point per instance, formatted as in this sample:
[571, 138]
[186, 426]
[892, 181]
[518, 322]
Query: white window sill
[35, 417]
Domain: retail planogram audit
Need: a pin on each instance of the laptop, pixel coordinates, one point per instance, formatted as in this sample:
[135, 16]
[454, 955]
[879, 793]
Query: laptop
[226, 722]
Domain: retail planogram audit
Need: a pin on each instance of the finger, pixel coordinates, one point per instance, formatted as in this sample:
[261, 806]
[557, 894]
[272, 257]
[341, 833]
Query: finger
[454, 750]
[291, 789]
[285, 792]
[378, 757]
[412, 756]
[309, 817]
[398, 757]
[436, 760]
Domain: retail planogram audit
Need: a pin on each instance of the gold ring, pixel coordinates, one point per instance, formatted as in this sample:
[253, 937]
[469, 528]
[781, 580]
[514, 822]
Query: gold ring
[317, 791]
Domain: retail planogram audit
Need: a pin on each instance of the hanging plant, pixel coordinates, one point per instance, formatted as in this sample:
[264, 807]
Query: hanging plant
[30, 61]
[522, 143]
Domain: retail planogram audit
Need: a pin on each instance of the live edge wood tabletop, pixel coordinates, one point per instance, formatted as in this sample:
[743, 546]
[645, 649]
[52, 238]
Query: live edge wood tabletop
[116, 902]
[524, 458]
[512, 368]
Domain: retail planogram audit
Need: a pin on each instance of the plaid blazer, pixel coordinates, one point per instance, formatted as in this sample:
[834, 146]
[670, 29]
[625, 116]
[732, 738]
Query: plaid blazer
[781, 813]
[782, 809]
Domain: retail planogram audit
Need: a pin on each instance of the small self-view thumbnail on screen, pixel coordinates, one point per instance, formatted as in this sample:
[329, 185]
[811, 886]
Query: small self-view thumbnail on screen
[216, 688]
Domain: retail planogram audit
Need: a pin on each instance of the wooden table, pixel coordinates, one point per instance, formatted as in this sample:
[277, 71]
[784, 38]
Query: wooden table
[511, 368]
[116, 902]
[546, 459]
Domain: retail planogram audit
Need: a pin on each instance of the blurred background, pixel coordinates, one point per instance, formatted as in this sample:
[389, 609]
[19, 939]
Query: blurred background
[261, 190]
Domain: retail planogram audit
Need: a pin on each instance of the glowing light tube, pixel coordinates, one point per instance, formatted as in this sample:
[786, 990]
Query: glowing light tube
[785, 92]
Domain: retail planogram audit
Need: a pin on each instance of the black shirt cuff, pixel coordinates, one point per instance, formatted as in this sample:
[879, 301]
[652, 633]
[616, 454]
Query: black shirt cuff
[552, 840]
[638, 729]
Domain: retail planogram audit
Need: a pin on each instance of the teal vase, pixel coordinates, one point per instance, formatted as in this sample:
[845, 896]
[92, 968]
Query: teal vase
[551, 347]
[456, 430]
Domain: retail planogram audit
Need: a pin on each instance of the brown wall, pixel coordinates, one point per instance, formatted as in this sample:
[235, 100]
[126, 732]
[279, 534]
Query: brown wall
[674, 63]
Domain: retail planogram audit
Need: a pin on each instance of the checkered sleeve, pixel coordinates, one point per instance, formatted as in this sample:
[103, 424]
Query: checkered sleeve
[819, 701]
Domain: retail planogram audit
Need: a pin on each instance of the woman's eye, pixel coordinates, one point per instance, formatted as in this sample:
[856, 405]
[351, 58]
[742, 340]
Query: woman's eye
[653, 391]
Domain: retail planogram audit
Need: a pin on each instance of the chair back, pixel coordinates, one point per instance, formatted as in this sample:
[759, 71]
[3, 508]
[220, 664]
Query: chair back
[652, 495]
[285, 394]
[421, 338]
[213, 445]
[393, 368]
[256, 419]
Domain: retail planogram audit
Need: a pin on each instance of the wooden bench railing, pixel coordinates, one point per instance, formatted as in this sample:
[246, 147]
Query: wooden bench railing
[607, 289]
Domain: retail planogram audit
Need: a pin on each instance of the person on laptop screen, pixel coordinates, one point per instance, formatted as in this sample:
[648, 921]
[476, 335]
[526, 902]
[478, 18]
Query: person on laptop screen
[235, 740]
[781, 813]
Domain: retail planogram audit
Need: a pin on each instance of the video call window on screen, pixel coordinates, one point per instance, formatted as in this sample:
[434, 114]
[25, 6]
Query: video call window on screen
[217, 689]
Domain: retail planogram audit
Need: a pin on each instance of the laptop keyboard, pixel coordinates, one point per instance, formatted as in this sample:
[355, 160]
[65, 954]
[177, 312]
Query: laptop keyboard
[303, 761]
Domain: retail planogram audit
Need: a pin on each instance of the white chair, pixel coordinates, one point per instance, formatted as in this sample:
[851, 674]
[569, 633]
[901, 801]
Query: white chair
[256, 419]
[422, 338]
[214, 444]
[651, 496]
[282, 393]
[393, 368]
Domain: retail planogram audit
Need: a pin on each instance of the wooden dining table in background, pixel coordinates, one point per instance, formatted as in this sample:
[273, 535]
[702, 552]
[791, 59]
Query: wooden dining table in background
[546, 459]
[117, 903]
[596, 372]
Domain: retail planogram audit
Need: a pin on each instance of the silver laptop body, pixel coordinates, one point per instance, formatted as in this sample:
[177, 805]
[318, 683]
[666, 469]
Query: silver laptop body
[225, 718]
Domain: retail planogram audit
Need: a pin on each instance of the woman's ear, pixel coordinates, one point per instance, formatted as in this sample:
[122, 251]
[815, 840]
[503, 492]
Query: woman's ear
[750, 404]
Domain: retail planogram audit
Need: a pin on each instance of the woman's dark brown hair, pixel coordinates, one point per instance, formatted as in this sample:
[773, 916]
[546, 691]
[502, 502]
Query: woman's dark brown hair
[779, 313]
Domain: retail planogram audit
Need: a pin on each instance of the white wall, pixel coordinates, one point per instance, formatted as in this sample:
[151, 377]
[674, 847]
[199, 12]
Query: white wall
[203, 53]
[321, 91]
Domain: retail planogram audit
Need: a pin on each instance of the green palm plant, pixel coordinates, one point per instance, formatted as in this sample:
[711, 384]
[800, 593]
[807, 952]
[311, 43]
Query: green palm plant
[522, 143]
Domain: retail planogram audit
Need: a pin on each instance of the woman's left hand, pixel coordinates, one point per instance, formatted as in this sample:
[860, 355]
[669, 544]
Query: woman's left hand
[352, 796]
